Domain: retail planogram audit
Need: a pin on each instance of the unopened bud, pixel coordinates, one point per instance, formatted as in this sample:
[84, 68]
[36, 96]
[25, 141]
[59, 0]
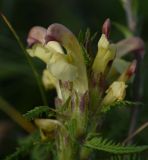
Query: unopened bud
[48, 127]
[126, 75]
[106, 54]
[106, 27]
[115, 92]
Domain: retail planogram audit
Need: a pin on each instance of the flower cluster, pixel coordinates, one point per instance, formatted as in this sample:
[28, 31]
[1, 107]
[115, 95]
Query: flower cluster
[81, 94]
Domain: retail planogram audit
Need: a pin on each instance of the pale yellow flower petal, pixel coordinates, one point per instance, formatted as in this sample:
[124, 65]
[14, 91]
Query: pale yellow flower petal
[63, 70]
[105, 55]
[45, 52]
[54, 45]
[48, 127]
[74, 52]
[49, 81]
[115, 92]
[39, 51]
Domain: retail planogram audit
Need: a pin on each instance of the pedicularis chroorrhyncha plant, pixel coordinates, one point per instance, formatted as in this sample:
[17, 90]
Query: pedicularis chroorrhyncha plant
[87, 87]
[89, 82]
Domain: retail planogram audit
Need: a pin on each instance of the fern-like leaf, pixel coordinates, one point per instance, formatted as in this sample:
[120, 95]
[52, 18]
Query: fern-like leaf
[37, 112]
[24, 148]
[86, 56]
[120, 104]
[126, 157]
[32, 146]
[110, 147]
[41, 151]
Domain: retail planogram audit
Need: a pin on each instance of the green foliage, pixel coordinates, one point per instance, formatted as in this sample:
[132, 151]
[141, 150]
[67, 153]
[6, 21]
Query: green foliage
[111, 147]
[127, 157]
[85, 40]
[37, 112]
[32, 146]
[119, 104]
[123, 29]
[41, 151]
[25, 146]
[85, 55]
[135, 7]
[72, 128]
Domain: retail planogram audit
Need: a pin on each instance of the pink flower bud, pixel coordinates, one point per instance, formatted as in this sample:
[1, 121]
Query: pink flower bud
[126, 75]
[106, 27]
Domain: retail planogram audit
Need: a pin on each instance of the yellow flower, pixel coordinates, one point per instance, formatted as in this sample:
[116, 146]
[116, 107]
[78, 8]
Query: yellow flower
[105, 55]
[48, 127]
[61, 67]
[115, 92]
[48, 80]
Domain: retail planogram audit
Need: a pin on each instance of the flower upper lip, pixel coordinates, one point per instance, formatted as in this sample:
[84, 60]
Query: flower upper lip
[36, 35]
[65, 65]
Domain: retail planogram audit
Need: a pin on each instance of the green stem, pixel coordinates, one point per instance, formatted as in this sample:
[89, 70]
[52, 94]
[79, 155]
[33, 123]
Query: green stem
[66, 149]
[16, 116]
[37, 77]
[137, 84]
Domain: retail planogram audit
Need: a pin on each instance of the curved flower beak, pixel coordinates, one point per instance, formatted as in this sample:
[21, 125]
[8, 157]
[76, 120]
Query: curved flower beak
[36, 35]
[68, 67]
[129, 45]
[67, 39]
[106, 27]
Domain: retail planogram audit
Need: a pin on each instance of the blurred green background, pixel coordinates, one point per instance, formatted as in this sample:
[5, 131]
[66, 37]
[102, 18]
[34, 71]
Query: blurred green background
[17, 83]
